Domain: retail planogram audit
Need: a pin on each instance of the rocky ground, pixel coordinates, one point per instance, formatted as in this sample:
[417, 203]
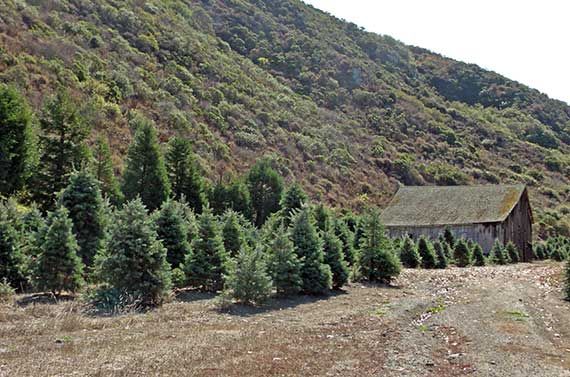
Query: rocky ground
[490, 321]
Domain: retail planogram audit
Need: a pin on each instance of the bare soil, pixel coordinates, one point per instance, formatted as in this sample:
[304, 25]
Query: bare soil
[478, 321]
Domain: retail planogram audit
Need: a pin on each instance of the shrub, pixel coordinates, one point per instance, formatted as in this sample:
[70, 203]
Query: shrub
[409, 254]
[462, 254]
[247, 280]
[513, 252]
[178, 278]
[440, 252]
[284, 265]
[6, 291]
[334, 258]
[426, 252]
[478, 257]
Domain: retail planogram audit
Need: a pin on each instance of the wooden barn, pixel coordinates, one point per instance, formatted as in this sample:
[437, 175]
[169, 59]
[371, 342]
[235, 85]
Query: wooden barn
[479, 213]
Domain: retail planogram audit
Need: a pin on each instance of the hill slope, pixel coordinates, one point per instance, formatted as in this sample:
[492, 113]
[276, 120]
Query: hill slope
[349, 113]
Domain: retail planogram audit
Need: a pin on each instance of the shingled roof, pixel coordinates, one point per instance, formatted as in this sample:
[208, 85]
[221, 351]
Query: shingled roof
[451, 205]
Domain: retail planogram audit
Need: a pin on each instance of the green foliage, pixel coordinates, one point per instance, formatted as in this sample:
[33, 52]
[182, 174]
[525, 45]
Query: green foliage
[377, 260]
[83, 200]
[540, 251]
[17, 141]
[58, 267]
[172, 231]
[284, 264]
[409, 255]
[347, 238]
[449, 237]
[7, 292]
[478, 257]
[135, 262]
[498, 254]
[11, 257]
[104, 172]
[323, 217]
[441, 254]
[145, 174]
[238, 198]
[205, 268]
[334, 258]
[178, 278]
[184, 174]
[265, 189]
[247, 280]
[62, 147]
[462, 254]
[316, 275]
[293, 199]
[232, 233]
[513, 253]
[427, 254]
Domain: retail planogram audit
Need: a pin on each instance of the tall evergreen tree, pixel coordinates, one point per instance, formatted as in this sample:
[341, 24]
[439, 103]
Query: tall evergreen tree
[440, 254]
[316, 275]
[409, 253]
[11, 258]
[232, 233]
[323, 217]
[58, 267]
[462, 254]
[238, 199]
[513, 252]
[104, 172]
[83, 200]
[293, 199]
[17, 141]
[145, 174]
[185, 174]
[265, 189]
[217, 198]
[247, 280]
[427, 253]
[206, 266]
[334, 258]
[377, 259]
[498, 254]
[172, 230]
[478, 257]
[285, 266]
[136, 259]
[347, 238]
[62, 147]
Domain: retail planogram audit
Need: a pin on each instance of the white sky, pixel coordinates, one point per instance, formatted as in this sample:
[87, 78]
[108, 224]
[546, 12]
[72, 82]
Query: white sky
[527, 41]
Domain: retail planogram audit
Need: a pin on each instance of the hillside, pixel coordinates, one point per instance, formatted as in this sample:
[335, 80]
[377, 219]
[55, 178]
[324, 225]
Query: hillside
[350, 114]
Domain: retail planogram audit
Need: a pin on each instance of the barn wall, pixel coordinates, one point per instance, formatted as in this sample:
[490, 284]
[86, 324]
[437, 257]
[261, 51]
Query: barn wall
[518, 227]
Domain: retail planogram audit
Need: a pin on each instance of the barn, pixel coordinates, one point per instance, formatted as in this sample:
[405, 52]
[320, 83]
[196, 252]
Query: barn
[479, 213]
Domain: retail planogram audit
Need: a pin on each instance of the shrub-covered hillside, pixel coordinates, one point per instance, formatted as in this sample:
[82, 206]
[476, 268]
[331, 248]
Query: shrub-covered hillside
[349, 114]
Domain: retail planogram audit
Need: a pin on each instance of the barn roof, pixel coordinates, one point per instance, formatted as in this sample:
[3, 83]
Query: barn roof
[451, 205]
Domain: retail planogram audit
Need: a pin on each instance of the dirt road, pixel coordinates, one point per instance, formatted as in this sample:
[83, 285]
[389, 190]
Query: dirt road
[491, 321]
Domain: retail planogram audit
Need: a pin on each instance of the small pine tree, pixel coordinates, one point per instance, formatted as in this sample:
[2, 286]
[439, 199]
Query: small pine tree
[83, 200]
[316, 275]
[409, 253]
[567, 281]
[284, 265]
[498, 254]
[145, 174]
[539, 251]
[292, 201]
[58, 266]
[440, 253]
[207, 265]
[426, 252]
[172, 231]
[247, 280]
[449, 238]
[332, 247]
[478, 257]
[513, 252]
[462, 254]
[377, 259]
[347, 238]
[11, 258]
[135, 262]
[232, 233]
[322, 216]
[104, 172]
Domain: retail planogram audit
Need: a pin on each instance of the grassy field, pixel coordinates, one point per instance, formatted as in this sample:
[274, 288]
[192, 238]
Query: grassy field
[490, 321]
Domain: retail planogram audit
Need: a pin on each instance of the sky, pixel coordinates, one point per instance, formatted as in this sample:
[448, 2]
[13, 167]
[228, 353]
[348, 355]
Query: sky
[526, 41]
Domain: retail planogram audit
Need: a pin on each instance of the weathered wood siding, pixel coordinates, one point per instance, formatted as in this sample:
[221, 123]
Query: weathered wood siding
[518, 227]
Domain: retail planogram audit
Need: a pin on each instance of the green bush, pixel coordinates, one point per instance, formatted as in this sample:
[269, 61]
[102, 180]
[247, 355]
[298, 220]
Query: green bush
[409, 255]
[285, 266]
[427, 254]
[478, 257]
[440, 252]
[462, 254]
[247, 280]
[513, 252]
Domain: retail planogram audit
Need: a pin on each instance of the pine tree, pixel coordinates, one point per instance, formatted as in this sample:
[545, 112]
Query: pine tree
[497, 254]
[184, 174]
[172, 231]
[238, 199]
[347, 238]
[58, 267]
[104, 172]
[426, 252]
[377, 259]
[265, 189]
[409, 253]
[513, 252]
[322, 216]
[462, 254]
[567, 281]
[11, 258]
[316, 275]
[293, 199]
[247, 280]
[83, 200]
[285, 266]
[217, 198]
[17, 141]
[449, 238]
[62, 147]
[135, 262]
[334, 258]
[358, 233]
[478, 257]
[440, 253]
[206, 266]
[145, 174]
[540, 251]
[232, 233]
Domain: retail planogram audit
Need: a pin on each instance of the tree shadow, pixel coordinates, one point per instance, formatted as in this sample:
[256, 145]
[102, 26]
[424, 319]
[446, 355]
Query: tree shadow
[43, 298]
[379, 285]
[192, 295]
